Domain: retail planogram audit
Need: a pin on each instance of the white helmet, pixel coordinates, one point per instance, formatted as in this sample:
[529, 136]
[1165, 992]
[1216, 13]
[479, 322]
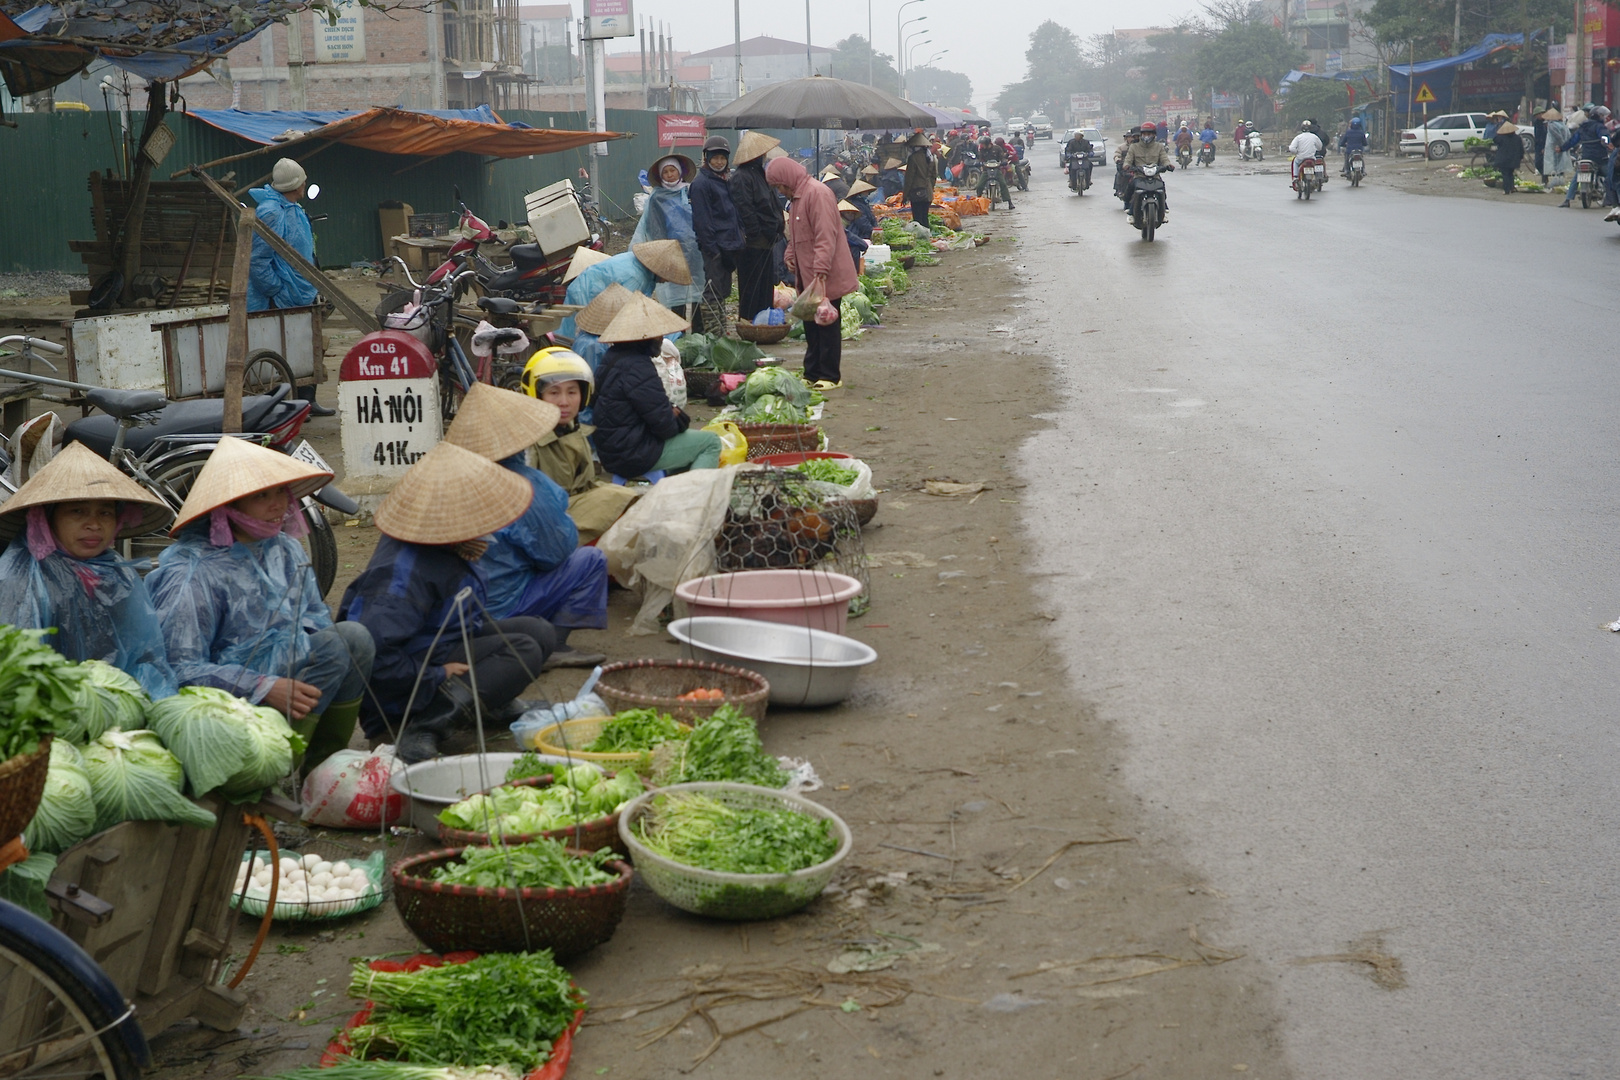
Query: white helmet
[1304, 125]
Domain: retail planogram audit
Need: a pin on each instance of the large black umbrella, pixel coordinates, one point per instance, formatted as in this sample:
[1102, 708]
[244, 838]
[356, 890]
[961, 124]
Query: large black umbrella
[819, 102]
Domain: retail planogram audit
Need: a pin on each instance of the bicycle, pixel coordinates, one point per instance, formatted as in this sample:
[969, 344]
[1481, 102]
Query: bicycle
[166, 463]
[62, 1016]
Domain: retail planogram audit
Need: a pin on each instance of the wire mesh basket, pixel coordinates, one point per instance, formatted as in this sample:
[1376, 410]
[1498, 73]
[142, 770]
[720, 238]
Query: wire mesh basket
[781, 520]
[723, 895]
[294, 902]
[767, 439]
[446, 918]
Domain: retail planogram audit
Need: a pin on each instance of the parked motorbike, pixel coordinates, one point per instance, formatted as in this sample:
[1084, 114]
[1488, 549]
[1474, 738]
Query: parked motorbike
[1312, 177]
[1357, 168]
[1206, 154]
[1253, 147]
[533, 276]
[1147, 200]
[1587, 183]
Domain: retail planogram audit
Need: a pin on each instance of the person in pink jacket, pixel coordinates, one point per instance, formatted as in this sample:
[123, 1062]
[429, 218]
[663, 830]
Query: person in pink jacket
[817, 254]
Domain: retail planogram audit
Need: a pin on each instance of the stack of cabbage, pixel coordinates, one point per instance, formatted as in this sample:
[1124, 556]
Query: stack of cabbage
[576, 794]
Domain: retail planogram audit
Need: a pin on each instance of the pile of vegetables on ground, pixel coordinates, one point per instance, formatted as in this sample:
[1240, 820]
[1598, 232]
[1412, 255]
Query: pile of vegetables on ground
[542, 863]
[772, 395]
[576, 794]
[726, 746]
[698, 830]
[706, 352]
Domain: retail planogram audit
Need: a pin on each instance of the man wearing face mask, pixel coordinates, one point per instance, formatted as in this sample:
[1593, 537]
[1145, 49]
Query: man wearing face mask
[719, 232]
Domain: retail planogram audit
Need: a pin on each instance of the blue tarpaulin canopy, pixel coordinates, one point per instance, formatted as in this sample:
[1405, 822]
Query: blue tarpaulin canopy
[265, 128]
[1407, 80]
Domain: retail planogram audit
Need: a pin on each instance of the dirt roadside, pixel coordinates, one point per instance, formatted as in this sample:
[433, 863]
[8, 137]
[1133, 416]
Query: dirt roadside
[1031, 926]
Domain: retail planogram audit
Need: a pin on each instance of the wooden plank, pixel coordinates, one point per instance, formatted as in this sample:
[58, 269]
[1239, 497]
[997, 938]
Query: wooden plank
[236, 341]
[214, 894]
[220, 1007]
[183, 877]
[117, 866]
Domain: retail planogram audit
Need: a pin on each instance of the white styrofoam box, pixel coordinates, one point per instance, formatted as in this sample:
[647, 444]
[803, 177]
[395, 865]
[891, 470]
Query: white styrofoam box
[555, 217]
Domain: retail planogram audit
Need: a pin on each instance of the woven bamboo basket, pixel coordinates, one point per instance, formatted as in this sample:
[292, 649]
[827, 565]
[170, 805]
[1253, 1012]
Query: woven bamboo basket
[566, 738]
[447, 918]
[22, 783]
[762, 335]
[767, 439]
[658, 684]
[590, 835]
[700, 382]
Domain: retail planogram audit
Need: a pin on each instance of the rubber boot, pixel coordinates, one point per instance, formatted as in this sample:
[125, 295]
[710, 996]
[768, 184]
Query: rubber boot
[304, 729]
[427, 729]
[331, 734]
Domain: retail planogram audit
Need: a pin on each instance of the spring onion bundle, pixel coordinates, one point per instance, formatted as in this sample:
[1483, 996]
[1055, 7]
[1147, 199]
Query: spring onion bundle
[698, 830]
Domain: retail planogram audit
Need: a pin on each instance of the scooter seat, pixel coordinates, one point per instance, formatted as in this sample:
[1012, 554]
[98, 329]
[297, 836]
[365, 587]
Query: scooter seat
[499, 305]
[527, 257]
[125, 403]
[203, 417]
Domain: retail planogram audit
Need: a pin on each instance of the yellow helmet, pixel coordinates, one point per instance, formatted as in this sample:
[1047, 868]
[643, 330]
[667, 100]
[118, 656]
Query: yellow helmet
[558, 365]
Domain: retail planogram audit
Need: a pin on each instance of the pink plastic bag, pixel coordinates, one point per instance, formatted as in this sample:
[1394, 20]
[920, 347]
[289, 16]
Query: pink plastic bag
[350, 790]
[826, 313]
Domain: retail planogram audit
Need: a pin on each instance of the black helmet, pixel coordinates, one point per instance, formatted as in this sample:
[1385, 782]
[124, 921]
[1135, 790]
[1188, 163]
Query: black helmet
[716, 144]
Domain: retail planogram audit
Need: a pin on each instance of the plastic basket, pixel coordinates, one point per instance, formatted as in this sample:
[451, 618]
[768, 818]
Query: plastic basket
[562, 1047]
[292, 909]
[590, 835]
[733, 896]
[22, 784]
[449, 917]
[658, 684]
[566, 738]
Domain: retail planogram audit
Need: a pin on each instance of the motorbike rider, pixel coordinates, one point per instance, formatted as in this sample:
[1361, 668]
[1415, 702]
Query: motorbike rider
[1146, 150]
[1351, 141]
[1184, 140]
[1307, 144]
[994, 157]
[1208, 136]
[1078, 145]
[1131, 137]
[1593, 138]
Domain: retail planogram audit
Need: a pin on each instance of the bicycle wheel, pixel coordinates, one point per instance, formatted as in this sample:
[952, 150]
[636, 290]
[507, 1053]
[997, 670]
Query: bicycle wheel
[264, 371]
[60, 1016]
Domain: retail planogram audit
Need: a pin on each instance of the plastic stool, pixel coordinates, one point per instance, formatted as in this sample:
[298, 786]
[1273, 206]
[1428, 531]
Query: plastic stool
[650, 477]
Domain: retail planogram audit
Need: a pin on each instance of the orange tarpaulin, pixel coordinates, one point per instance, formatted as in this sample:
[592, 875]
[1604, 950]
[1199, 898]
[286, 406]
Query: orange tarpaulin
[397, 131]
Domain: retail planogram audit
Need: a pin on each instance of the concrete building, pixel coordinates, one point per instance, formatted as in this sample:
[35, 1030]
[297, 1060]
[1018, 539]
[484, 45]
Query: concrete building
[546, 38]
[766, 60]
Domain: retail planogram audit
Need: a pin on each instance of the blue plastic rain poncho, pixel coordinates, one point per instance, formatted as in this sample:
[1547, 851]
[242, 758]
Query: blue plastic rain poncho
[536, 561]
[237, 618]
[669, 217]
[100, 608]
[272, 283]
[623, 268]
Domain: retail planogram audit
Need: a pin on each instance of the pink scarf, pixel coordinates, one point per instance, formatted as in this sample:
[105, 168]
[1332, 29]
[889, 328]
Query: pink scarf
[42, 540]
[222, 518]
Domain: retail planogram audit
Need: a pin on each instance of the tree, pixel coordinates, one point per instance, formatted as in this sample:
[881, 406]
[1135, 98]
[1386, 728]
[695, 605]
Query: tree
[1423, 28]
[1054, 69]
[1326, 101]
[850, 61]
[1242, 56]
[939, 87]
[1171, 61]
[1116, 74]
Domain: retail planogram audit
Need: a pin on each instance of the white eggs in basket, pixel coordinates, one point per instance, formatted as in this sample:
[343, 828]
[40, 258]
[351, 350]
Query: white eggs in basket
[308, 882]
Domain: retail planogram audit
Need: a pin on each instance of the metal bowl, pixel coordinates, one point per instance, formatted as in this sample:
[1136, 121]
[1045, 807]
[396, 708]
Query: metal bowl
[430, 786]
[803, 666]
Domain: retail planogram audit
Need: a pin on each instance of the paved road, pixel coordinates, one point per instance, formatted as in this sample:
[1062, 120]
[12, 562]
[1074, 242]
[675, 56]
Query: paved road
[1331, 502]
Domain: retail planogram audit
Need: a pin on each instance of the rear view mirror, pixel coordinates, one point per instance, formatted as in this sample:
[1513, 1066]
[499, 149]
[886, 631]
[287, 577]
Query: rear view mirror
[312, 191]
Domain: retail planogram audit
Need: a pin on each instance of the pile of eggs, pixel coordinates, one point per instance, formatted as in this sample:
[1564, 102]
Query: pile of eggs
[309, 879]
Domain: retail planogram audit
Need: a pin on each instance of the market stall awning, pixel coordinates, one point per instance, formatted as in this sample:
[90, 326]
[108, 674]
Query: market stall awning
[402, 131]
[820, 102]
[1492, 43]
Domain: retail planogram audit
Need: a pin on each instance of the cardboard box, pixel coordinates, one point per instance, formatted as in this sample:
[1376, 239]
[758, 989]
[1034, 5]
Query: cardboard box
[394, 222]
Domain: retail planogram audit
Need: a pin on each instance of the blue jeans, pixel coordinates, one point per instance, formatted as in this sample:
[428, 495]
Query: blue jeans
[339, 662]
[571, 597]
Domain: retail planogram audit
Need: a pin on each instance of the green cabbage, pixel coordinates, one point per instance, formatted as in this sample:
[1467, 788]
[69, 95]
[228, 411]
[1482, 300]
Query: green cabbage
[133, 778]
[24, 883]
[576, 794]
[784, 384]
[67, 811]
[224, 742]
[107, 699]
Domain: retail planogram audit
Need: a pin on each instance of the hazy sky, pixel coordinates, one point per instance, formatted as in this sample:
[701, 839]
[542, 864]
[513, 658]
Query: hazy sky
[985, 42]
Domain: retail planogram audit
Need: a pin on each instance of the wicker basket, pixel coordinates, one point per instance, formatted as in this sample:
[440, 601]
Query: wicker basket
[767, 439]
[761, 335]
[657, 684]
[590, 835]
[865, 509]
[447, 918]
[22, 783]
[565, 740]
[734, 896]
[701, 382]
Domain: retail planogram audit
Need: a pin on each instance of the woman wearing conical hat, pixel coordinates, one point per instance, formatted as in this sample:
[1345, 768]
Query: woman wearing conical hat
[239, 603]
[436, 525]
[534, 566]
[60, 572]
[640, 270]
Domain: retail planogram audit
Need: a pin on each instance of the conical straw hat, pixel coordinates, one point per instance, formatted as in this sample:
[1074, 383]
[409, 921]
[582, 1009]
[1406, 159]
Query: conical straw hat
[861, 187]
[583, 257]
[775, 152]
[238, 468]
[495, 423]
[452, 495]
[75, 473]
[642, 319]
[594, 317]
[830, 173]
[664, 258]
[844, 205]
[754, 144]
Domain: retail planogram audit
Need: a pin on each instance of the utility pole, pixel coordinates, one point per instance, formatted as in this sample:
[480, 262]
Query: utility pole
[809, 68]
[1456, 30]
[871, 48]
[1577, 61]
[736, 55]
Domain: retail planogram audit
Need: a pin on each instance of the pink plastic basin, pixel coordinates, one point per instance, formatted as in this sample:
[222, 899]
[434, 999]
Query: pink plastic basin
[818, 599]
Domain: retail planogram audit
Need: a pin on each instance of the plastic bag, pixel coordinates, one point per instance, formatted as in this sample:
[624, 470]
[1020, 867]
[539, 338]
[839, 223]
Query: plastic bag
[783, 297]
[350, 790]
[733, 443]
[827, 313]
[667, 538]
[668, 363]
[805, 307]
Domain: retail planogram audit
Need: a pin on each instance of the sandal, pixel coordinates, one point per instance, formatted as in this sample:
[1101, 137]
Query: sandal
[823, 385]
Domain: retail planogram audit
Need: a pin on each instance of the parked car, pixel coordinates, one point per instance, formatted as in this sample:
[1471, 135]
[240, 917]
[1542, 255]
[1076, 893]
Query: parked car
[1447, 133]
[1041, 125]
[1099, 145]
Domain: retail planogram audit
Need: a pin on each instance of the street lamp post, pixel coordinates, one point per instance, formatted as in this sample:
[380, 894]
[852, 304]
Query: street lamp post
[900, 59]
[899, 42]
[912, 48]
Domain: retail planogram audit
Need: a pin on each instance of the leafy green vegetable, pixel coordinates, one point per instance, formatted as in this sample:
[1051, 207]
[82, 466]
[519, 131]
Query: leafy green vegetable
[224, 742]
[899, 279]
[538, 864]
[726, 746]
[497, 1009]
[828, 471]
[37, 690]
[779, 381]
[770, 409]
[24, 883]
[698, 830]
[526, 767]
[348, 1068]
[849, 320]
[67, 811]
[107, 698]
[718, 353]
[133, 778]
[576, 795]
[634, 729]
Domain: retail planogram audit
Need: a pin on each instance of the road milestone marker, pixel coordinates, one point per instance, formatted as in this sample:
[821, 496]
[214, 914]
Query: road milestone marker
[388, 403]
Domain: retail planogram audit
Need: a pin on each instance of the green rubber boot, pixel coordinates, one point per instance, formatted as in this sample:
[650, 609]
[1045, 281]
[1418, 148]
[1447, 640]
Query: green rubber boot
[328, 732]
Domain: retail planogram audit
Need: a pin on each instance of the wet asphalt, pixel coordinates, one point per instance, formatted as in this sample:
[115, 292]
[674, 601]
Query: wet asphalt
[1329, 507]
